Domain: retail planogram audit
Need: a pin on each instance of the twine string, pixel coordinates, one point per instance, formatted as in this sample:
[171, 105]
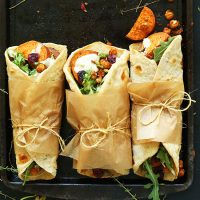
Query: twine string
[102, 133]
[37, 127]
[169, 104]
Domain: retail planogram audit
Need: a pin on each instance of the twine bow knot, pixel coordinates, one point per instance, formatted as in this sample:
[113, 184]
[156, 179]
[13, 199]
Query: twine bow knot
[100, 134]
[169, 104]
[37, 127]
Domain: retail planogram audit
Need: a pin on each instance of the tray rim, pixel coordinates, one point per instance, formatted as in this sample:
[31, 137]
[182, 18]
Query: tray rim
[33, 187]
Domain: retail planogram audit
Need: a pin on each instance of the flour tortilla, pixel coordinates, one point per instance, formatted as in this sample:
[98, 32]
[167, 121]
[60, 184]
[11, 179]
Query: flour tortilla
[115, 74]
[168, 69]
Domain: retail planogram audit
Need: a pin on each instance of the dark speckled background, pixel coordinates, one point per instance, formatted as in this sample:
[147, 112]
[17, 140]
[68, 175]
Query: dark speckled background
[43, 22]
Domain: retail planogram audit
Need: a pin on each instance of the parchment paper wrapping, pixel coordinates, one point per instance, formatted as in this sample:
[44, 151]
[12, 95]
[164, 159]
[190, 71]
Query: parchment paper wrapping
[158, 83]
[36, 102]
[101, 121]
[110, 111]
[151, 120]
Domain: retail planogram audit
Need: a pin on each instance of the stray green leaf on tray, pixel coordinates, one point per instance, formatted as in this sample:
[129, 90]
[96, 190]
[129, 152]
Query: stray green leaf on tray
[133, 196]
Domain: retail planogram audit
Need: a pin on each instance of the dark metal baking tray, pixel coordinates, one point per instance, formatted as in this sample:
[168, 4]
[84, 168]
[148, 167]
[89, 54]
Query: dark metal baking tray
[62, 21]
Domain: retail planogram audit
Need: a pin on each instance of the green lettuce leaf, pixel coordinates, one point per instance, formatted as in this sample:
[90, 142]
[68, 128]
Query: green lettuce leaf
[20, 61]
[89, 85]
[159, 51]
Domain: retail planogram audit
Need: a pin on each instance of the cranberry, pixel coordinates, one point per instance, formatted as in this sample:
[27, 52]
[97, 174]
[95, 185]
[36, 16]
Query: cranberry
[112, 58]
[32, 58]
[98, 172]
[81, 76]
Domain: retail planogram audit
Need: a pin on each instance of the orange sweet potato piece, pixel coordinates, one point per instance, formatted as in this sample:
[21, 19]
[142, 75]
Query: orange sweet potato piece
[143, 26]
[74, 59]
[34, 171]
[155, 40]
[28, 47]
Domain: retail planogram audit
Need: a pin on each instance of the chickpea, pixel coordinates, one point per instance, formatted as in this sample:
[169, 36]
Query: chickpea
[167, 30]
[174, 24]
[105, 63]
[101, 73]
[99, 79]
[40, 68]
[94, 75]
[169, 14]
[181, 172]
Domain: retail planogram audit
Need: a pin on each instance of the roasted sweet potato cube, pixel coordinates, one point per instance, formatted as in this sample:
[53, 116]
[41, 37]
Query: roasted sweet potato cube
[34, 46]
[155, 40]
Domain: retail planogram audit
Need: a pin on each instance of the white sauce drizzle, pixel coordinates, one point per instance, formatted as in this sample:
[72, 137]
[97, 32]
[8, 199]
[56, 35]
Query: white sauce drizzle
[85, 63]
[48, 62]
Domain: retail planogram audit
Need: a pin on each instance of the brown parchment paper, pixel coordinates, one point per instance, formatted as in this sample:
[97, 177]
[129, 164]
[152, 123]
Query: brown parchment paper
[29, 106]
[37, 102]
[155, 123]
[100, 110]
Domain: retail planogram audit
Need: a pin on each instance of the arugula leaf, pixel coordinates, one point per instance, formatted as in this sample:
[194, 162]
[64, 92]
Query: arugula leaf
[27, 172]
[20, 61]
[133, 196]
[89, 85]
[154, 179]
[159, 51]
[165, 159]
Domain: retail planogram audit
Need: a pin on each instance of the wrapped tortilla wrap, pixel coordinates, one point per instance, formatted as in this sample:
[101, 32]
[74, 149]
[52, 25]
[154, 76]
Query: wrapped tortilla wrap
[35, 106]
[101, 147]
[157, 83]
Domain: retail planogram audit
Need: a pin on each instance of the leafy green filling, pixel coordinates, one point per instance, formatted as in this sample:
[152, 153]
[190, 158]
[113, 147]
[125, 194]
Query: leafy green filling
[20, 61]
[89, 86]
[154, 179]
[158, 52]
[102, 55]
[165, 159]
[27, 172]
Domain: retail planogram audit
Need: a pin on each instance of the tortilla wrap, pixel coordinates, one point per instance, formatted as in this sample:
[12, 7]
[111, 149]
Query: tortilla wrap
[168, 69]
[107, 110]
[36, 101]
